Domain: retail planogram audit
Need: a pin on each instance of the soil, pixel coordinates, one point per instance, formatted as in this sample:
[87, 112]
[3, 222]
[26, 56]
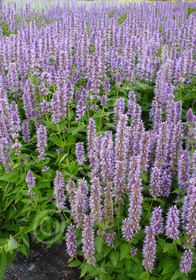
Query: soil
[42, 264]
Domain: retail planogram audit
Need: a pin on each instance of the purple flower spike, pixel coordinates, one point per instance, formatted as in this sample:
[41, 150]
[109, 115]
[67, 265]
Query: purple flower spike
[30, 179]
[149, 249]
[80, 153]
[41, 142]
[190, 116]
[157, 221]
[184, 170]
[189, 215]
[173, 223]
[186, 261]
[88, 240]
[95, 201]
[59, 191]
[104, 100]
[26, 132]
[71, 241]
[80, 111]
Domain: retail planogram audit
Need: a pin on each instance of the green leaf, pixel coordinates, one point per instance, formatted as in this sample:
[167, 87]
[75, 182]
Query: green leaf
[23, 249]
[128, 265]
[99, 241]
[144, 275]
[125, 251]
[10, 257]
[3, 262]
[84, 269]
[114, 257]
[122, 276]
[75, 263]
[170, 266]
[37, 221]
[179, 275]
[56, 140]
[12, 244]
[102, 226]
[169, 247]
[144, 177]
[73, 167]
[10, 177]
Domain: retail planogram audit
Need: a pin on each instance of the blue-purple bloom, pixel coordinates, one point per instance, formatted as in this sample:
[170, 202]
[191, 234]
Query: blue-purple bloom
[80, 155]
[59, 188]
[172, 223]
[30, 179]
[131, 224]
[80, 110]
[71, 247]
[156, 221]
[88, 240]
[149, 249]
[41, 141]
[186, 261]
[80, 203]
[95, 201]
[184, 170]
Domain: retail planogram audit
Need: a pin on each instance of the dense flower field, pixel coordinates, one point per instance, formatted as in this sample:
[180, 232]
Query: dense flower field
[98, 136]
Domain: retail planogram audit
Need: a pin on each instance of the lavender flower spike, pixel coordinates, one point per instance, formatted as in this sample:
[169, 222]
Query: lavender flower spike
[30, 179]
[80, 203]
[157, 221]
[71, 241]
[131, 224]
[95, 201]
[149, 249]
[26, 132]
[59, 191]
[186, 262]
[173, 223]
[41, 141]
[88, 240]
[184, 170]
[108, 206]
[80, 153]
[190, 216]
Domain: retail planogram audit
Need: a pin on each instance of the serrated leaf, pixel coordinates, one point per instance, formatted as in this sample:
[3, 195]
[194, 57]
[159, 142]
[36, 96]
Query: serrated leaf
[115, 258]
[23, 249]
[168, 247]
[170, 265]
[12, 244]
[10, 256]
[178, 275]
[9, 177]
[56, 140]
[99, 243]
[85, 267]
[75, 263]
[125, 251]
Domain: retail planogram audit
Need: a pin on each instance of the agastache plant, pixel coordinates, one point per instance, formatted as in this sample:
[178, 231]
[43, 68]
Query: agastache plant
[106, 92]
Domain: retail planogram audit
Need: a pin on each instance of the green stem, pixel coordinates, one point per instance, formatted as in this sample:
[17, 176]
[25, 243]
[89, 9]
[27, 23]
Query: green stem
[68, 220]
[174, 242]
[117, 93]
[59, 134]
[102, 113]
[180, 93]
[151, 204]
[118, 221]
[68, 117]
